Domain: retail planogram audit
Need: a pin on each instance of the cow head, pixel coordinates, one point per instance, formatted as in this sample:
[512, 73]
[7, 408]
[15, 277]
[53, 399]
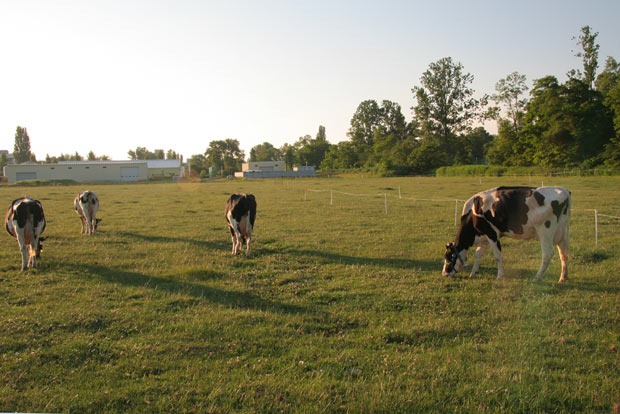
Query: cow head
[40, 246]
[454, 261]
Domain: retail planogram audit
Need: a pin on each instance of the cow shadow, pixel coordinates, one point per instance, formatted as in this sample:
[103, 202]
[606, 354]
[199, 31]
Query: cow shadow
[214, 295]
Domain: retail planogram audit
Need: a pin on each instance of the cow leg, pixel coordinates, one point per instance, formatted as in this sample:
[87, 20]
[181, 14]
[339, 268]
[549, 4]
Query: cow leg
[32, 252]
[564, 258]
[497, 253]
[23, 247]
[563, 251]
[233, 236]
[83, 221]
[546, 243]
[247, 229]
[477, 256]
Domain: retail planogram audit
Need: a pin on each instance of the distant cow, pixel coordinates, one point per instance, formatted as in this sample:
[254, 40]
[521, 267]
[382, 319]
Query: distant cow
[240, 215]
[25, 221]
[516, 212]
[86, 205]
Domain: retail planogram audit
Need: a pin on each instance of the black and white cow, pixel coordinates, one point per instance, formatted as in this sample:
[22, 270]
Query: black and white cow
[25, 221]
[240, 215]
[86, 205]
[516, 212]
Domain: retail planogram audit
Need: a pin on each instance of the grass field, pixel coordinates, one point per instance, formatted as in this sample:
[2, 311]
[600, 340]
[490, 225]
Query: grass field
[342, 308]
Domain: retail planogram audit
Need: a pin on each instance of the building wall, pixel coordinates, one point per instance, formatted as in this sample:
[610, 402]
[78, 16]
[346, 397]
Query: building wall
[264, 166]
[96, 171]
[165, 172]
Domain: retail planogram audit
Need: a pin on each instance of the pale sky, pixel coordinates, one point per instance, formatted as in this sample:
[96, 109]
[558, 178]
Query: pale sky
[112, 75]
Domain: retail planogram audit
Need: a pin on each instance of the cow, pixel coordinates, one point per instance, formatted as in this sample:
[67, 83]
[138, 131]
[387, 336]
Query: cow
[25, 221]
[516, 212]
[240, 216]
[86, 205]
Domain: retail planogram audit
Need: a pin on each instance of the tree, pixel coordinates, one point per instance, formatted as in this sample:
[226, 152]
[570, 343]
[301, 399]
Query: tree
[366, 118]
[321, 135]
[589, 54]
[265, 152]
[341, 157]
[173, 155]
[225, 155]
[198, 164]
[91, 156]
[288, 153]
[312, 151]
[21, 150]
[141, 153]
[508, 96]
[4, 160]
[608, 78]
[566, 124]
[445, 103]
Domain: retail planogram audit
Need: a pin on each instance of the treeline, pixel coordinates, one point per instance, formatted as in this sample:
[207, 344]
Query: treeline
[573, 124]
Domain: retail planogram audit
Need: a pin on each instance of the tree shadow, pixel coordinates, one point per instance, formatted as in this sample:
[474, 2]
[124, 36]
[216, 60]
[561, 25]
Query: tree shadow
[218, 245]
[337, 258]
[229, 298]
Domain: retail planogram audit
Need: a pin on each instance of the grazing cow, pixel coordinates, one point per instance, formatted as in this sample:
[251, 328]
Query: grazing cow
[240, 215]
[25, 221]
[516, 212]
[86, 205]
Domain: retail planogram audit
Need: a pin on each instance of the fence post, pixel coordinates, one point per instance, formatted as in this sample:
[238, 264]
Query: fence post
[305, 194]
[456, 210]
[385, 195]
[595, 228]
[331, 197]
[399, 192]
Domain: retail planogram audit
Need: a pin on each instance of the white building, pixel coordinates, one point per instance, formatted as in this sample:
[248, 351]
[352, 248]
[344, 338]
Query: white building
[130, 170]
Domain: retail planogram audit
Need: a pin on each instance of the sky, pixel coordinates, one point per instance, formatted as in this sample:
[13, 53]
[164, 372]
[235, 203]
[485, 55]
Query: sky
[112, 75]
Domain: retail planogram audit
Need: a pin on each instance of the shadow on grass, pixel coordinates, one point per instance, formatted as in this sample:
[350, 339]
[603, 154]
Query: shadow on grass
[337, 258]
[229, 298]
[224, 244]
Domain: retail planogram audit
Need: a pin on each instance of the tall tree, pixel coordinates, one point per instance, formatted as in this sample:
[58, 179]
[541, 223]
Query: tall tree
[4, 159]
[509, 91]
[589, 54]
[21, 150]
[445, 102]
[365, 120]
[321, 135]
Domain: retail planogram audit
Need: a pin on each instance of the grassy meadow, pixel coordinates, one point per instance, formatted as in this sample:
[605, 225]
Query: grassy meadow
[341, 309]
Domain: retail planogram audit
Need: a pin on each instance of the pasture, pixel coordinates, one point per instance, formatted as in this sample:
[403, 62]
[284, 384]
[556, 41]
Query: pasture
[342, 308]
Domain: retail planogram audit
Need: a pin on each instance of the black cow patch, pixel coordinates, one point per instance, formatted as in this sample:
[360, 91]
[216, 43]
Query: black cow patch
[509, 212]
[547, 224]
[539, 198]
[559, 208]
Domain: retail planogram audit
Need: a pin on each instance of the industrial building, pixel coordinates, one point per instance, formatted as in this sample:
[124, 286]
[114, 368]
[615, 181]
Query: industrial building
[272, 169]
[124, 171]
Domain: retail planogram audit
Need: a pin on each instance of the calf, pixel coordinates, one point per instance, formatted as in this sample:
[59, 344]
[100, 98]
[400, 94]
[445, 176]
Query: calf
[25, 221]
[516, 212]
[240, 215]
[86, 205]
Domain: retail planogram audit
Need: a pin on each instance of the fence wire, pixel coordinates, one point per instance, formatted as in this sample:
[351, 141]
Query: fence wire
[456, 201]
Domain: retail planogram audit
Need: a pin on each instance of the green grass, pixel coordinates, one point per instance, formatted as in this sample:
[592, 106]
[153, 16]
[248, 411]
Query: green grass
[342, 308]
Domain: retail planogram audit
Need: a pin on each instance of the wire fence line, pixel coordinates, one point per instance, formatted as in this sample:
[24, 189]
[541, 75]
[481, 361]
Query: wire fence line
[456, 201]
